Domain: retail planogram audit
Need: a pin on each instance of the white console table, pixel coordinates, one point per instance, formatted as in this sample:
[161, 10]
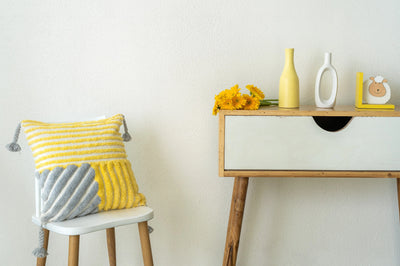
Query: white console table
[303, 142]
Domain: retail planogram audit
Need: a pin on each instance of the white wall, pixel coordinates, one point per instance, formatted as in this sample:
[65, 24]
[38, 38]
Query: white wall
[161, 63]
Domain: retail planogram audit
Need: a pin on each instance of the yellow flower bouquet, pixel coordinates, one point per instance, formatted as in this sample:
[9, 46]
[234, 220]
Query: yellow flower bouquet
[232, 99]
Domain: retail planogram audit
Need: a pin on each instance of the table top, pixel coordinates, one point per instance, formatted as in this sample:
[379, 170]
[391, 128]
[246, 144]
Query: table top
[341, 110]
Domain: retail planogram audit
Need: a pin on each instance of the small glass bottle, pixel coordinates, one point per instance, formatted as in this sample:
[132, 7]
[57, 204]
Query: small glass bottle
[289, 83]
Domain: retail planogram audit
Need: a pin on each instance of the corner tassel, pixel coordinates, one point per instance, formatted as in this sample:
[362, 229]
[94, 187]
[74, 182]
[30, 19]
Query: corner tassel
[40, 252]
[150, 229]
[126, 136]
[14, 146]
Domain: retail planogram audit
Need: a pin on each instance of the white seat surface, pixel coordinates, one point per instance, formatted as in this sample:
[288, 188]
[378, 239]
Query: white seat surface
[99, 221]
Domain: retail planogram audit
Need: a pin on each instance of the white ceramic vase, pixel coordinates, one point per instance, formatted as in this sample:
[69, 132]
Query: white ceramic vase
[327, 66]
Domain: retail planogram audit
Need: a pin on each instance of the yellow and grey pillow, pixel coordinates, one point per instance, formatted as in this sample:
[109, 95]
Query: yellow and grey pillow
[82, 167]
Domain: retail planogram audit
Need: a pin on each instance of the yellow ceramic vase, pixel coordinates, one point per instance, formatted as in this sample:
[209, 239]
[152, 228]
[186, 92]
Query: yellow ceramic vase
[289, 83]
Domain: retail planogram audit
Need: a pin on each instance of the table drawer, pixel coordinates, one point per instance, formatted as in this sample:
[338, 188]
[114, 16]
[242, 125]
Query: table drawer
[298, 143]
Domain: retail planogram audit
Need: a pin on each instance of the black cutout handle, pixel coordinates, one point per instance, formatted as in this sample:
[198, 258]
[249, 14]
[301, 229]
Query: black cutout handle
[332, 123]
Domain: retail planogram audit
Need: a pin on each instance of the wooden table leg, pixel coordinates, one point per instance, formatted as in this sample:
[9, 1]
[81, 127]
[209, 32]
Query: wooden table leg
[235, 220]
[398, 193]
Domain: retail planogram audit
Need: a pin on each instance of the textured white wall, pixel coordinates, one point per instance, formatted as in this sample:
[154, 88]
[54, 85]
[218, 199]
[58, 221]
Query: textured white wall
[161, 63]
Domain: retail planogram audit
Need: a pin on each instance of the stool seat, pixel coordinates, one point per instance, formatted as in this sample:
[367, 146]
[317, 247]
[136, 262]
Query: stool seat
[99, 221]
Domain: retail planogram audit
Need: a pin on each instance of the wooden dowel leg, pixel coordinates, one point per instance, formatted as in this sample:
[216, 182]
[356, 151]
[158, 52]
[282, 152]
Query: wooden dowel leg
[111, 246]
[73, 251]
[145, 243]
[235, 220]
[398, 195]
[42, 261]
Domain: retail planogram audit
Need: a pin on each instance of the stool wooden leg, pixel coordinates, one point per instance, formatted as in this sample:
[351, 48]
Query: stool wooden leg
[145, 242]
[235, 220]
[73, 251]
[42, 261]
[398, 193]
[111, 246]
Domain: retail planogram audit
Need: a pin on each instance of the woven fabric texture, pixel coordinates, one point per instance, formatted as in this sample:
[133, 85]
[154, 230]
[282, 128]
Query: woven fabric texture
[82, 167]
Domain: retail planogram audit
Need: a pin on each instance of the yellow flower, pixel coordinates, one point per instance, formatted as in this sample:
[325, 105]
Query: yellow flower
[215, 109]
[227, 104]
[252, 103]
[234, 90]
[229, 99]
[238, 101]
[256, 92]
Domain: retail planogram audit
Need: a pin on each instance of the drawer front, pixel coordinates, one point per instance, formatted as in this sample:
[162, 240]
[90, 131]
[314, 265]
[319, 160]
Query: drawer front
[298, 143]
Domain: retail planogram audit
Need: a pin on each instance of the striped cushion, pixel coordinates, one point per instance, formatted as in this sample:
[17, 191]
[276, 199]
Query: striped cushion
[82, 167]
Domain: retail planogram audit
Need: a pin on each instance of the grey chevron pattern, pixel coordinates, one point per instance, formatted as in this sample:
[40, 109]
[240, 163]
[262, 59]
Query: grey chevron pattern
[68, 192]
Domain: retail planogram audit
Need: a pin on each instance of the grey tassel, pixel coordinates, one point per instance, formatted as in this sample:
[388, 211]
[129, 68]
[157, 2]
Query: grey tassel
[40, 252]
[150, 229]
[126, 136]
[14, 146]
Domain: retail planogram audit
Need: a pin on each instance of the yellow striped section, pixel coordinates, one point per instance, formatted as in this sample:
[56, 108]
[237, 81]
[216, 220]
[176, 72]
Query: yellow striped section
[121, 179]
[67, 131]
[129, 186]
[99, 178]
[115, 186]
[84, 140]
[82, 159]
[131, 175]
[56, 144]
[108, 187]
[116, 119]
[77, 147]
[139, 200]
[78, 152]
[72, 137]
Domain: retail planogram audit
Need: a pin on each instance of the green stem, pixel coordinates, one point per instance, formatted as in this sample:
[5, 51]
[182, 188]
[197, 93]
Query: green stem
[268, 102]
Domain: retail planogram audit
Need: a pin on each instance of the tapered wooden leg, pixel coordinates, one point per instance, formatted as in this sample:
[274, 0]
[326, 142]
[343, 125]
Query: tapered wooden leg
[111, 246]
[73, 251]
[398, 194]
[145, 242]
[42, 261]
[235, 220]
